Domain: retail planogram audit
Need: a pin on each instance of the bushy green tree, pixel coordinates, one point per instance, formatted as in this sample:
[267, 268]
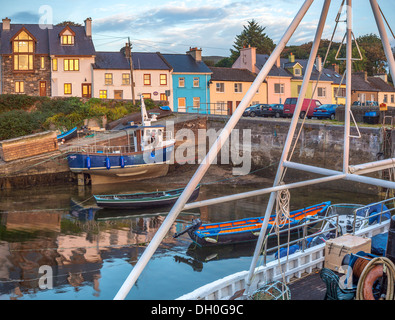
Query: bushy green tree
[252, 35]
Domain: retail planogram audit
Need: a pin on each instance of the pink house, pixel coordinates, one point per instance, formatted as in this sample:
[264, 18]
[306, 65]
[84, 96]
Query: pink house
[278, 80]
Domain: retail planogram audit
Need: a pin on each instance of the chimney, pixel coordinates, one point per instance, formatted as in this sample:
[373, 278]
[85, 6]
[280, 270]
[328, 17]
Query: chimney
[195, 53]
[247, 59]
[291, 57]
[278, 62]
[88, 27]
[6, 24]
[335, 67]
[318, 63]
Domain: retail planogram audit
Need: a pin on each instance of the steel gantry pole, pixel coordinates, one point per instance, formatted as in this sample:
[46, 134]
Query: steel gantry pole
[347, 109]
[205, 164]
[289, 140]
[384, 38]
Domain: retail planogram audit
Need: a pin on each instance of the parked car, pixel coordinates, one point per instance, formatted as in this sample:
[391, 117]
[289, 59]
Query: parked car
[254, 110]
[325, 111]
[273, 110]
[290, 104]
[366, 103]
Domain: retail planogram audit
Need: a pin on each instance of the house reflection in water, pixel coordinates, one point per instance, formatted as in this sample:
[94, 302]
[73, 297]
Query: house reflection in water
[74, 249]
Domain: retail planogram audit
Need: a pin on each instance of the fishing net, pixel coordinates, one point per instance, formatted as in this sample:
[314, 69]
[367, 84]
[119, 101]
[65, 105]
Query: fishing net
[275, 290]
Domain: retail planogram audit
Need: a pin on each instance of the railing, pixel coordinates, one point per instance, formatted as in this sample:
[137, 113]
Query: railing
[90, 149]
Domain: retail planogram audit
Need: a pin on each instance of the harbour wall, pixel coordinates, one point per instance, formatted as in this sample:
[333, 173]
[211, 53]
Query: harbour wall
[320, 144]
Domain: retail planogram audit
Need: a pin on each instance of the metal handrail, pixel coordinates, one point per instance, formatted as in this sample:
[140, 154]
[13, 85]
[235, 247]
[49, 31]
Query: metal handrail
[301, 239]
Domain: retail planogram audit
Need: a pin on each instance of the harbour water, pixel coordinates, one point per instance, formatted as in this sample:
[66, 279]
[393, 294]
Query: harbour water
[55, 245]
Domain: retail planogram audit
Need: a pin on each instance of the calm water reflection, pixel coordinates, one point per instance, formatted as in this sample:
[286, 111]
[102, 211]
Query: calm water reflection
[90, 252]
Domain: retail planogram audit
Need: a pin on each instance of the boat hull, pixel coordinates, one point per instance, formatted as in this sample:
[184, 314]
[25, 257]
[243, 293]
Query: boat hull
[246, 230]
[115, 168]
[143, 203]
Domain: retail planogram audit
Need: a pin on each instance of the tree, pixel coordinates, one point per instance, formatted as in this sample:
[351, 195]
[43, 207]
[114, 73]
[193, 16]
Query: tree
[375, 56]
[253, 35]
[70, 23]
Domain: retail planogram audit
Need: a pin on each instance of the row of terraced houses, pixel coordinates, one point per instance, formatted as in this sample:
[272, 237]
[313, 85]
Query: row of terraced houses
[61, 61]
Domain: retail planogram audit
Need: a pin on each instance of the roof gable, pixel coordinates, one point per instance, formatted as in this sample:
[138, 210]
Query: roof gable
[23, 29]
[67, 28]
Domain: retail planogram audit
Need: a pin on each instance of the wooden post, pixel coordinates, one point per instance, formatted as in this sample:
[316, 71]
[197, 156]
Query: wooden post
[128, 52]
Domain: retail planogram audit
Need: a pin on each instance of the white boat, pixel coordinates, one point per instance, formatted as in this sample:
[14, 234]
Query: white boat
[303, 261]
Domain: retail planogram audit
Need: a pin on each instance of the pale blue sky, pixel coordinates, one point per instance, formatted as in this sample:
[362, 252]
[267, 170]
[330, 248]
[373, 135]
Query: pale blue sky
[174, 26]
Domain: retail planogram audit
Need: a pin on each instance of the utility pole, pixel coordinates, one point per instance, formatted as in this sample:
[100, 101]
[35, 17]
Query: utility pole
[128, 51]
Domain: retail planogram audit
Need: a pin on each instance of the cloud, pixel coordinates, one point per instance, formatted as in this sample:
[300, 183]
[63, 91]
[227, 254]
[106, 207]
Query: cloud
[25, 17]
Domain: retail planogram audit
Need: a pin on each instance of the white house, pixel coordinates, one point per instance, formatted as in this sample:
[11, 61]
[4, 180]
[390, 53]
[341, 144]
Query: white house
[151, 76]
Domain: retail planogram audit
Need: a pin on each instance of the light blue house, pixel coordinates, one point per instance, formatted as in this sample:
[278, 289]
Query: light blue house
[190, 80]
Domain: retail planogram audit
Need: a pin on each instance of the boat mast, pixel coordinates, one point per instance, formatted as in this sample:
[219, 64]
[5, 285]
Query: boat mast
[205, 164]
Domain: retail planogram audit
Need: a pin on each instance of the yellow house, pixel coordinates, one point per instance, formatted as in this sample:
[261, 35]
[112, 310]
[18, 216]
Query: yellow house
[323, 82]
[228, 87]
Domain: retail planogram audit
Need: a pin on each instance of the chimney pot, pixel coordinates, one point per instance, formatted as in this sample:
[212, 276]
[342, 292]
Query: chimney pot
[88, 27]
[6, 24]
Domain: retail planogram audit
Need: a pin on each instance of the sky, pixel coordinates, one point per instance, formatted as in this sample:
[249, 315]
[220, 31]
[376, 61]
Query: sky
[175, 26]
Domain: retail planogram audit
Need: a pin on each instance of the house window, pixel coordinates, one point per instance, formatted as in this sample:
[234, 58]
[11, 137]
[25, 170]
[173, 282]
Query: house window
[340, 92]
[147, 79]
[125, 78]
[321, 92]
[67, 88]
[163, 97]
[118, 94]
[196, 82]
[103, 94]
[220, 87]
[238, 87]
[67, 40]
[71, 65]
[42, 63]
[196, 102]
[385, 98]
[392, 98]
[279, 88]
[220, 105]
[55, 64]
[19, 87]
[297, 72]
[23, 49]
[108, 78]
[163, 80]
[181, 82]
[299, 88]
[146, 96]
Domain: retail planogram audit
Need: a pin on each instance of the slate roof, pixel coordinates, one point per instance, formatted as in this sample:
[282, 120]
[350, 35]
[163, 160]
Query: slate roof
[111, 60]
[141, 61]
[231, 74]
[41, 36]
[380, 84]
[359, 83]
[326, 75]
[149, 61]
[48, 40]
[83, 45]
[185, 63]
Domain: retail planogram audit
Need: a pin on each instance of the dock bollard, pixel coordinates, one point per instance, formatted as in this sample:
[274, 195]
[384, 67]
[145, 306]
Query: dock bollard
[390, 253]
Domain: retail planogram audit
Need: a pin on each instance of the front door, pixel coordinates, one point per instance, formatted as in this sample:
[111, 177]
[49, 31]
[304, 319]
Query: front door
[230, 108]
[43, 88]
[86, 90]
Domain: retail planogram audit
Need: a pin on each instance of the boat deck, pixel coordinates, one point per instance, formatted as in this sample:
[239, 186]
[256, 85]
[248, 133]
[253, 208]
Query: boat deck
[309, 287]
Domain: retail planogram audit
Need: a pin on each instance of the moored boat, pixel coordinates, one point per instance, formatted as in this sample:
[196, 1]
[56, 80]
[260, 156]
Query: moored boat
[72, 133]
[137, 152]
[143, 200]
[248, 229]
